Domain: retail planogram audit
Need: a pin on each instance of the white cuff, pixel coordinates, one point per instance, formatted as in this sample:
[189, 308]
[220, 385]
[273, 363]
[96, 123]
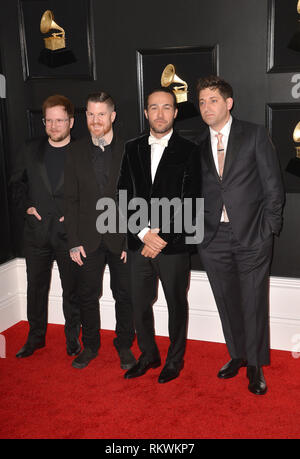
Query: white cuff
[142, 233]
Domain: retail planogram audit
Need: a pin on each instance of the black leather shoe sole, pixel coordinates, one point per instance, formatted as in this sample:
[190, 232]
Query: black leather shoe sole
[170, 372]
[127, 366]
[83, 362]
[140, 369]
[231, 368]
[27, 351]
[257, 390]
[257, 384]
[167, 376]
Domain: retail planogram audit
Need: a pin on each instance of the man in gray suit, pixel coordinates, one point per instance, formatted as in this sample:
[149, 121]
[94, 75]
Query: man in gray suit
[243, 199]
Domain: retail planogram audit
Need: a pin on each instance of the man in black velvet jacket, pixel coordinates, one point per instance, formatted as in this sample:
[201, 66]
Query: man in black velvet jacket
[159, 166]
[37, 187]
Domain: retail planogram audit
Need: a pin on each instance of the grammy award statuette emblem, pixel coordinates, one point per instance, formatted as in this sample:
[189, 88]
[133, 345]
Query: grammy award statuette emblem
[294, 164]
[55, 52]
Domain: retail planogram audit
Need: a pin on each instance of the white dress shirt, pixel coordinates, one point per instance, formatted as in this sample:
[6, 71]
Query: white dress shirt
[225, 131]
[157, 151]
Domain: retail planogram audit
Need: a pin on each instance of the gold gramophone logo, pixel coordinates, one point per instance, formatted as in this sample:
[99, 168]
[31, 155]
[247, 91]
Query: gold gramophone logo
[169, 77]
[296, 136]
[293, 166]
[57, 39]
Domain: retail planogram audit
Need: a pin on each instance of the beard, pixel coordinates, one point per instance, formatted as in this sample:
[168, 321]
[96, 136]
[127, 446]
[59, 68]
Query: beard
[99, 130]
[58, 137]
[161, 129]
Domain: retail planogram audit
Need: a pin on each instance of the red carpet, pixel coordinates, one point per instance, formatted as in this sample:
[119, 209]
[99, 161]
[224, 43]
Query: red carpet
[44, 397]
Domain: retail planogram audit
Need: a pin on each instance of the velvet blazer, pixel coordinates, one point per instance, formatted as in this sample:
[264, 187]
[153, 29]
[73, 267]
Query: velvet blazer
[177, 176]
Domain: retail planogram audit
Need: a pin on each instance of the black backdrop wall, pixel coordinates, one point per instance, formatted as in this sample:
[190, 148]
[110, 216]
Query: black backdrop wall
[239, 27]
[6, 251]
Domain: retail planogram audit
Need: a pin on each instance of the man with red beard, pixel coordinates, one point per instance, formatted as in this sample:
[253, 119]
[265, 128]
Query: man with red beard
[37, 186]
[91, 173]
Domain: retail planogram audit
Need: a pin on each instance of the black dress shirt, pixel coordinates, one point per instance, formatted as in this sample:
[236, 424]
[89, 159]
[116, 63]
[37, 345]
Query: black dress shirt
[101, 162]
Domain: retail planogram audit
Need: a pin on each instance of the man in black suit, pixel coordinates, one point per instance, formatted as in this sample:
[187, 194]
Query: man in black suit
[91, 173]
[243, 200]
[155, 167]
[37, 186]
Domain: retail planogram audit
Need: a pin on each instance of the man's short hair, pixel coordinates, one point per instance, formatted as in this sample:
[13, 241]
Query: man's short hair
[214, 82]
[58, 99]
[101, 97]
[167, 90]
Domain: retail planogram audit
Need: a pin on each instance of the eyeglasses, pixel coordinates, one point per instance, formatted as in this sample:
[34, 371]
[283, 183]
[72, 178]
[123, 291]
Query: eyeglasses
[95, 115]
[58, 122]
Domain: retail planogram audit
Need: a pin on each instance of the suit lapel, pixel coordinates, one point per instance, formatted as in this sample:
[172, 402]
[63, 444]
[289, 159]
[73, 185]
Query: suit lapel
[233, 146]
[42, 166]
[169, 150]
[208, 156]
[88, 166]
[60, 182]
[114, 166]
[144, 156]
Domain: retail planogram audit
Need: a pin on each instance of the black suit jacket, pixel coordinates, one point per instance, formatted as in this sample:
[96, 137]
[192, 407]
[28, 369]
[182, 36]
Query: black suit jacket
[176, 177]
[30, 187]
[251, 188]
[82, 194]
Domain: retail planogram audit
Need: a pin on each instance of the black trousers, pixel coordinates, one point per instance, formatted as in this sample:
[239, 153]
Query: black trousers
[39, 263]
[90, 280]
[239, 278]
[173, 272]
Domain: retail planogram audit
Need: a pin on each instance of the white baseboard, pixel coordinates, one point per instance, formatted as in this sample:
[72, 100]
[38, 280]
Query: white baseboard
[204, 322]
[10, 304]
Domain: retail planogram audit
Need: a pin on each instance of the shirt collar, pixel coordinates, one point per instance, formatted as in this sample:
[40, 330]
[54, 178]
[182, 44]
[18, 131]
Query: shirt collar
[225, 129]
[167, 136]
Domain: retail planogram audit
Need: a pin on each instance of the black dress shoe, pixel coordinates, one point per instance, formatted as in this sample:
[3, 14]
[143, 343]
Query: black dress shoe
[73, 348]
[28, 349]
[231, 368]
[127, 359]
[84, 358]
[141, 367]
[169, 372]
[257, 383]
